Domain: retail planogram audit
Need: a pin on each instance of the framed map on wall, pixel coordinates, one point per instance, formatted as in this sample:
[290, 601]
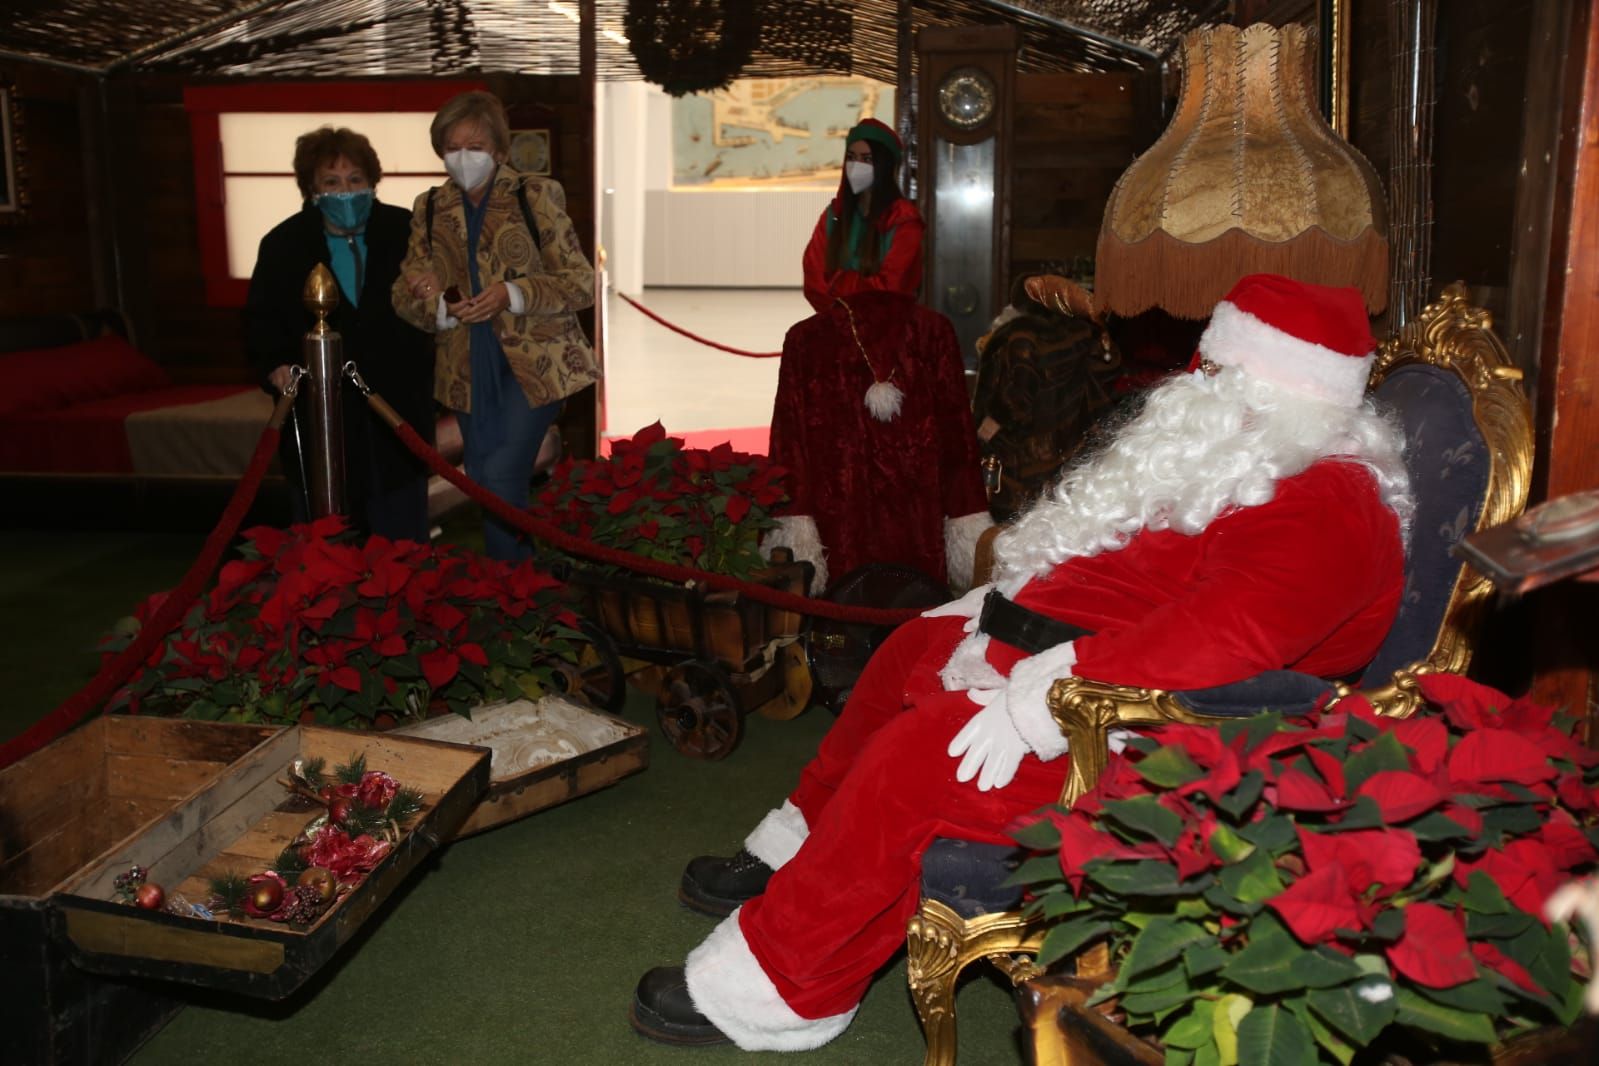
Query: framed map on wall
[771, 131]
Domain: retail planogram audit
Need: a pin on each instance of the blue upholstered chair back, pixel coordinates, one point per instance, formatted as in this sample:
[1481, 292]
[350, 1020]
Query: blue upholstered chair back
[1449, 466]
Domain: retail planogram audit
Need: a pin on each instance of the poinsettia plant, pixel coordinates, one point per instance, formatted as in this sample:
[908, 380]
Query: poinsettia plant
[1277, 891]
[699, 507]
[309, 624]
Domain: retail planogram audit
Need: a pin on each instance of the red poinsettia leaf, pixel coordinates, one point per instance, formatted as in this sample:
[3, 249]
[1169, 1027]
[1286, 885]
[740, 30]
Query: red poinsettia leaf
[1330, 769]
[1490, 956]
[346, 677]
[1400, 794]
[1298, 791]
[1383, 856]
[1524, 870]
[322, 610]
[1467, 703]
[648, 530]
[737, 508]
[1080, 842]
[440, 667]
[1318, 904]
[1432, 950]
[473, 653]
[1568, 846]
[390, 646]
[1497, 755]
[1574, 795]
[1466, 817]
[446, 616]
[649, 435]
[1427, 738]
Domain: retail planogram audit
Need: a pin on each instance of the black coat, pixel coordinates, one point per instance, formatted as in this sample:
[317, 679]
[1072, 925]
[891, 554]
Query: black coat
[395, 358]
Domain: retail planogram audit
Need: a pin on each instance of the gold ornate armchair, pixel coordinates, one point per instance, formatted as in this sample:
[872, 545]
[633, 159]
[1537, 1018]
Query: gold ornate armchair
[1449, 381]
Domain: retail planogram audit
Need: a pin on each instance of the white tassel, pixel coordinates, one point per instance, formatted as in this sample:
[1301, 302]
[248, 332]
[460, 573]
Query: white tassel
[883, 400]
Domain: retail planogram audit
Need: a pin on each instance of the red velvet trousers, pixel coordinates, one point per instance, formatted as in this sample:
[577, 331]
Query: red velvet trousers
[881, 788]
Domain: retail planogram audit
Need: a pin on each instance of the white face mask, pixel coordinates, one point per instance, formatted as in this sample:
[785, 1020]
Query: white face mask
[469, 167]
[859, 175]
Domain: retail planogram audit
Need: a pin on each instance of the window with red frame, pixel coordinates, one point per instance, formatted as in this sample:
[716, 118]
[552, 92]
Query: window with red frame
[243, 138]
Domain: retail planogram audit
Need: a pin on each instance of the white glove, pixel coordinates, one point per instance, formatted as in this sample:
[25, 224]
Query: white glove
[989, 741]
[969, 607]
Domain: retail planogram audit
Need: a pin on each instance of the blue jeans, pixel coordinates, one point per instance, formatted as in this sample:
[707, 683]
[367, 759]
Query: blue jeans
[506, 470]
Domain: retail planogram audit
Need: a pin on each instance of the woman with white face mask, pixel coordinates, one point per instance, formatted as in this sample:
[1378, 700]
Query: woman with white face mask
[342, 224]
[494, 269]
[869, 237]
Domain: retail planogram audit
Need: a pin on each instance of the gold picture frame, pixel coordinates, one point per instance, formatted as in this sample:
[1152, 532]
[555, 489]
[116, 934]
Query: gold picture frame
[530, 151]
[13, 171]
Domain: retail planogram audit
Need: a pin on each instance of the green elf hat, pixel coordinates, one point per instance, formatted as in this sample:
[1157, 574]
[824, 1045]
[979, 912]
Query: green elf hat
[877, 133]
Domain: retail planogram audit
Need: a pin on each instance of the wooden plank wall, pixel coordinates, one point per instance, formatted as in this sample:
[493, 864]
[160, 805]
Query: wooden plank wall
[47, 258]
[1074, 135]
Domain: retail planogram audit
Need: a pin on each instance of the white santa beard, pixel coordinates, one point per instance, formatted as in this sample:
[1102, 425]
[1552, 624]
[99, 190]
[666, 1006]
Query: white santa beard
[1200, 446]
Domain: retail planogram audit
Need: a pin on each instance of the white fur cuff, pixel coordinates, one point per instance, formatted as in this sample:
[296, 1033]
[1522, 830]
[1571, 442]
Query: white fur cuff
[798, 533]
[778, 836]
[1027, 699]
[728, 986]
[960, 545]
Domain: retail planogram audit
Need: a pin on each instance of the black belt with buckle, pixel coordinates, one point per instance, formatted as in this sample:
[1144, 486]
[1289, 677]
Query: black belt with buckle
[1023, 628]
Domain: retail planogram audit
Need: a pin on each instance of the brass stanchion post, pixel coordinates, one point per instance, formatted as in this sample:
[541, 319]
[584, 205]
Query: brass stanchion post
[323, 351]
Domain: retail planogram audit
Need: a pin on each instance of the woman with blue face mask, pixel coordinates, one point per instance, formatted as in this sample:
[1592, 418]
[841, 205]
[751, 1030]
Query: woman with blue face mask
[496, 273]
[362, 241]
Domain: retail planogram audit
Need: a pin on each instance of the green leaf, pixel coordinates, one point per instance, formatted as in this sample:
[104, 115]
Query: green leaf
[1498, 926]
[1475, 995]
[1040, 836]
[1545, 953]
[1191, 1028]
[1419, 1012]
[1205, 958]
[1265, 964]
[1483, 896]
[1145, 816]
[1243, 796]
[1359, 1010]
[1383, 753]
[1168, 767]
[1362, 814]
[1435, 826]
[1388, 925]
[1177, 1056]
[1512, 820]
[1218, 896]
[1230, 1010]
[1254, 880]
[1156, 1000]
[1060, 902]
[1272, 1036]
[1336, 1046]
[1037, 868]
[1256, 728]
[1162, 940]
[1068, 937]
[1275, 833]
[1323, 968]
[1143, 878]
[1228, 845]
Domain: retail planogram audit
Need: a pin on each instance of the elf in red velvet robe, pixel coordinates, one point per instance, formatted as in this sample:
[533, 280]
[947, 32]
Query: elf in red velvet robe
[869, 239]
[871, 422]
[1251, 517]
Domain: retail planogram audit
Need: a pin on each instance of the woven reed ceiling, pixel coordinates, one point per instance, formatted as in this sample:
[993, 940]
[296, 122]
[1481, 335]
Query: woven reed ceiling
[410, 38]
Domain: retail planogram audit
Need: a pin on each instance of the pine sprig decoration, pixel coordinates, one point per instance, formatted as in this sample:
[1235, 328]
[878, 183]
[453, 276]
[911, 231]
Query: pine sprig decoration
[350, 773]
[406, 805]
[313, 772]
[289, 862]
[227, 893]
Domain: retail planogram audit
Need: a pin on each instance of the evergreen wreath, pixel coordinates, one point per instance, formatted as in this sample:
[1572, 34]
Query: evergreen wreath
[691, 46]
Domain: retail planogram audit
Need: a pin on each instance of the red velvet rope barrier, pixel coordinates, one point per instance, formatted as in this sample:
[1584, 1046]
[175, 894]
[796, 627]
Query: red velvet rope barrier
[647, 313]
[114, 674]
[554, 535]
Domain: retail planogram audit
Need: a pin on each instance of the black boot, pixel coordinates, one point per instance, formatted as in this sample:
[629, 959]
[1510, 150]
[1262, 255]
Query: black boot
[663, 1011]
[714, 885]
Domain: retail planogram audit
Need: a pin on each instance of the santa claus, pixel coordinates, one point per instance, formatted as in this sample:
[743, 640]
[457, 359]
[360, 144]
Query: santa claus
[1250, 517]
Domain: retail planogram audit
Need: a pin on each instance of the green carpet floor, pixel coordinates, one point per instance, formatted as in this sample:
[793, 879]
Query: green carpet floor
[521, 945]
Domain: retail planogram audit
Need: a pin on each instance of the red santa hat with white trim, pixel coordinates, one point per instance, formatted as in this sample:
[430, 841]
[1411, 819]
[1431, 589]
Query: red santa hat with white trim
[1311, 339]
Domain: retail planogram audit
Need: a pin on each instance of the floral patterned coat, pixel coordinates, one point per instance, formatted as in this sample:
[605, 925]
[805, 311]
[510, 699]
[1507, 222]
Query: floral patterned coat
[547, 349]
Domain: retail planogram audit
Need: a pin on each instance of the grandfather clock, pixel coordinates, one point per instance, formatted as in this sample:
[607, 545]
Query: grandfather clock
[964, 102]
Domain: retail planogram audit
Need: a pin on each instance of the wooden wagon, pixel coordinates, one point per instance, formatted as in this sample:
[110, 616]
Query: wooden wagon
[722, 655]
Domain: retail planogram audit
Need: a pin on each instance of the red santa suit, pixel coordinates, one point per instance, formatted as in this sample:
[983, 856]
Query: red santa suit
[1307, 578]
[862, 489]
[899, 230]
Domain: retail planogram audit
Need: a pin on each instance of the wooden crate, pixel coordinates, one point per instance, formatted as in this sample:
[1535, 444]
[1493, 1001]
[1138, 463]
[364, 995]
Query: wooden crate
[544, 753]
[60, 809]
[239, 823]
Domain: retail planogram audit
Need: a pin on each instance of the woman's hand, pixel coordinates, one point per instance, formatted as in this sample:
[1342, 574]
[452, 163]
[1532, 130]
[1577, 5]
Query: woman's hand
[424, 286]
[280, 378]
[484, 306]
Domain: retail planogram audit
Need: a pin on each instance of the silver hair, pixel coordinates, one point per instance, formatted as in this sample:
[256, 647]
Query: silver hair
[1200, 446]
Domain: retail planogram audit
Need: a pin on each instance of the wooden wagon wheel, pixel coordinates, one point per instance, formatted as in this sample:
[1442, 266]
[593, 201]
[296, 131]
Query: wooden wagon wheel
[699, 711]
[597, 678]
[797, 684]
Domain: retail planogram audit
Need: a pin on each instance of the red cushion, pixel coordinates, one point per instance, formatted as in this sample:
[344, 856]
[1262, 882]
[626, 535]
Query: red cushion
[48, 379]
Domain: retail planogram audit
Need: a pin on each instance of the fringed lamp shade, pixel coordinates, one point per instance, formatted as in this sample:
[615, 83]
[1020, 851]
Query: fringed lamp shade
[1247, 178]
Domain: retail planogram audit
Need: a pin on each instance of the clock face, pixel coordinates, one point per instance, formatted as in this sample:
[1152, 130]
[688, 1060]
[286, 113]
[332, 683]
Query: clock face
[966, 98]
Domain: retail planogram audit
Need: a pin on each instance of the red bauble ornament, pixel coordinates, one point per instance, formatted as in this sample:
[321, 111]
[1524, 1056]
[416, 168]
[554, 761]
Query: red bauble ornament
[266, 896]
[321, 879]
[149, 896]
